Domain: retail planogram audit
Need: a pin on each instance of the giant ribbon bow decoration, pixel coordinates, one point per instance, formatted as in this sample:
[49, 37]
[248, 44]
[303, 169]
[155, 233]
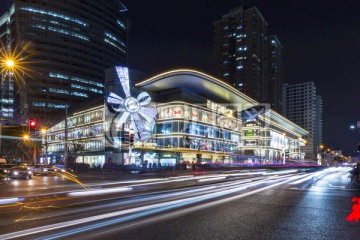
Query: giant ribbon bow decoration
[132, 107]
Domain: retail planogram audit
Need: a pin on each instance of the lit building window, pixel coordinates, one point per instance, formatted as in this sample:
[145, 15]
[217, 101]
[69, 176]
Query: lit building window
[39, 26]
[114, 38]
[61, 91]
[113, 44]
[241, 49]
[87, 81]
[79, 94]
[39, 104]
[7, 101]
[57, 23]
[82, 80]
[52, 105]
[59, 30]
[56, 15]
[58, 75]
[87, 88]
[68, 33]
[120, 23]
[240, 67]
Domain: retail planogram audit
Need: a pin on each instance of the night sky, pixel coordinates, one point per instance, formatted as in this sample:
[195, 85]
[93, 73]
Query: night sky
[321, 40]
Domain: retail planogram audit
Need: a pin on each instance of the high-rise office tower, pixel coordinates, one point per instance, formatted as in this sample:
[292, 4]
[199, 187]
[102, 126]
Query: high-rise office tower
[302, 105]
[63, 48]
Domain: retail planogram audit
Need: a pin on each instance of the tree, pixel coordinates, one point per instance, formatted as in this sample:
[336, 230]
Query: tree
[74, 149]
[14, 147]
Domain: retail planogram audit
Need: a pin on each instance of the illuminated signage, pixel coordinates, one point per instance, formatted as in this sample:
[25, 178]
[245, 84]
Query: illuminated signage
[250, 133]
[219, 108]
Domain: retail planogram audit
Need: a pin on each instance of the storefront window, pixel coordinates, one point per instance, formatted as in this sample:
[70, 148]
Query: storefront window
[171, 112]
[194, 114]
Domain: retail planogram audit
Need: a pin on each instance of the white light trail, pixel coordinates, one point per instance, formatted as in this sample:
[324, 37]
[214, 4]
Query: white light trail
[10, 200]
[101, 191]
[154, 208]
[211, 179]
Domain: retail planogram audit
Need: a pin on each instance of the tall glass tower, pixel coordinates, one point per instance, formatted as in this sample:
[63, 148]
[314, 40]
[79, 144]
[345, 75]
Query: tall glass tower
[62, 49]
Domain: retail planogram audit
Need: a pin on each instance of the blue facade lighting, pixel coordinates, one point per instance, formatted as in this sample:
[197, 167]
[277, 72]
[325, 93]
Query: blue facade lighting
[56, 15]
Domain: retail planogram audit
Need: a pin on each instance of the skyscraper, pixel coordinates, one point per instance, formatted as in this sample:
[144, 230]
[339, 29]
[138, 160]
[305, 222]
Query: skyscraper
[246, 57]
[302, 105]
[62, 48]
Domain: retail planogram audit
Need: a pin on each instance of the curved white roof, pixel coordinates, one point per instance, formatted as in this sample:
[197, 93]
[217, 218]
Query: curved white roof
[210, 87]
[197, 82]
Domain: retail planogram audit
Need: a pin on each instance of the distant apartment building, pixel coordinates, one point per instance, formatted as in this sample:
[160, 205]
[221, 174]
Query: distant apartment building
[303, 106]
[62, 49]
[246, 58]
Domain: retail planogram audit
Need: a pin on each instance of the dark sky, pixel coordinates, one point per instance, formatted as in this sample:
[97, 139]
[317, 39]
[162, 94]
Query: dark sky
[321, 40]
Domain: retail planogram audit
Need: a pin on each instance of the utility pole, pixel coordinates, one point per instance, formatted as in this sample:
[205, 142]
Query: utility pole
[1, 131]
[0, 135]
[66, 136]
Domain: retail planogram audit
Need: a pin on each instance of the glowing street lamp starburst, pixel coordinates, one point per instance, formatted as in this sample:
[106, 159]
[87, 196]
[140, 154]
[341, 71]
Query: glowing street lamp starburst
[10, 63]
[132, 107]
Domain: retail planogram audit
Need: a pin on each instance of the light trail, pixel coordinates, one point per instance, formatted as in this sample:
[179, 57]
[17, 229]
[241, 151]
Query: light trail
[10, 201]
[211, 179]
[315, 176]
[144, 182]
[177, 205]
[142, 211]
[97, 192]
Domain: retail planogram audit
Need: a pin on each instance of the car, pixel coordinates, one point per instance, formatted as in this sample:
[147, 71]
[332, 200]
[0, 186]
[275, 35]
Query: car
[27, 165]
[59, 169]
[3, 173]
[5, 169]
[41, 169]
[20, 172]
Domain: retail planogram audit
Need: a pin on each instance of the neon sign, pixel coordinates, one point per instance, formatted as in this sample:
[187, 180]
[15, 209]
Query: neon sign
[219, 108]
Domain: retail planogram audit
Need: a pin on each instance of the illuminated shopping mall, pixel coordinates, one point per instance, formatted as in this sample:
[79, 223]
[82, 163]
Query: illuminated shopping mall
[174, 117]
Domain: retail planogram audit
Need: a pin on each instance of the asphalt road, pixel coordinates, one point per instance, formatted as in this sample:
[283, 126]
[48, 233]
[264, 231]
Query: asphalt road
[236, 205]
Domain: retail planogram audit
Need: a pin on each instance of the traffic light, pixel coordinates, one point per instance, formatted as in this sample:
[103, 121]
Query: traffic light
[131, 141]
[32, 126]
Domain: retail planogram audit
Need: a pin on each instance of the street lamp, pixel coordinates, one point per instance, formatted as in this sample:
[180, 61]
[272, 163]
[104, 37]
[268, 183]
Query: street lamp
[317, 153]
[66, 136]
[1, 131]
[10, 63]
[26, 137]
[131, 138]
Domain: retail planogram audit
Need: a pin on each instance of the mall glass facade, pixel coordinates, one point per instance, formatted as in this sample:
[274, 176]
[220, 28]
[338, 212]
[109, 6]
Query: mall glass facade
[200, 131]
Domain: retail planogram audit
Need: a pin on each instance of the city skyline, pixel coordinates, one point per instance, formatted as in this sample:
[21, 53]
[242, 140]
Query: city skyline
[314, 38]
